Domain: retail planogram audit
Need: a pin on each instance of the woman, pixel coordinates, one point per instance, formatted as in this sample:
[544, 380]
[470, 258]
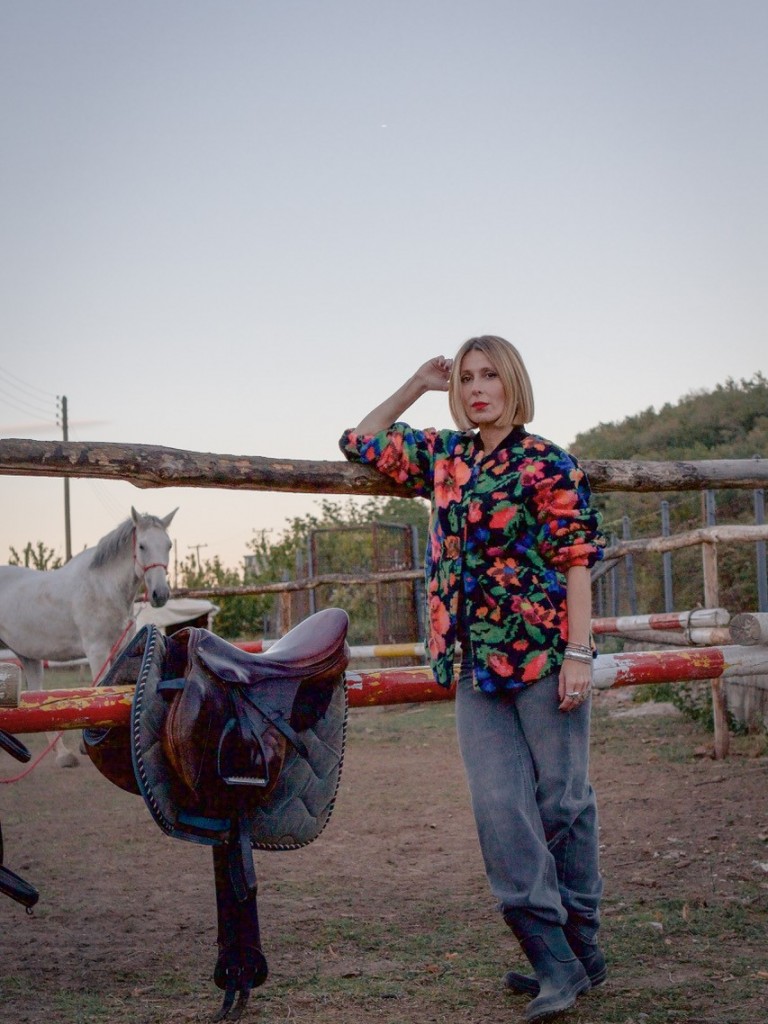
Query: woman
[512, 538]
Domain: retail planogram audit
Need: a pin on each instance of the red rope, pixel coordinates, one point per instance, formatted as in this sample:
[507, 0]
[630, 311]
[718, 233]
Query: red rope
[57, 737]
[115, 647]
[32, 764]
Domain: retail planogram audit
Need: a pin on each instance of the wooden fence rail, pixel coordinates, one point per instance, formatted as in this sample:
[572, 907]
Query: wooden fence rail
[48, 710]
[157, 466]
[727, 534]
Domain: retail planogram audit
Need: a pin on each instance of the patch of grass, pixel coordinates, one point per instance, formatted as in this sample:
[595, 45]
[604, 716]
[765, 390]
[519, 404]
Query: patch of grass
[66, 678]
[80, 1007]
[658, 737]
[666, 964]
[694, 699]
[677, 946]
[388, 724]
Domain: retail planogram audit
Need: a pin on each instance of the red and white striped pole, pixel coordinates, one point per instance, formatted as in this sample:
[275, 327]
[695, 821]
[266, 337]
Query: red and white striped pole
[110, 705]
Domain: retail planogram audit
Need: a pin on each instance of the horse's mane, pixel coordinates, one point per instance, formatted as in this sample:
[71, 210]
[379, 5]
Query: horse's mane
[112, 544]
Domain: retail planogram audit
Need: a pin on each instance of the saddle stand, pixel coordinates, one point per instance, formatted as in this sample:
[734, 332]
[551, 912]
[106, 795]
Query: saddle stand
[236, 751]
[11, 884]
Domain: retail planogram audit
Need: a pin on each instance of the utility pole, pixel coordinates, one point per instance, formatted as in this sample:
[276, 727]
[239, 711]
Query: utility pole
[196, 549]
[67, 519]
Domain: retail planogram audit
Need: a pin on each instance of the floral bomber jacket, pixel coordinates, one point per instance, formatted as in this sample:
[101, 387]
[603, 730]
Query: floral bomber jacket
[504, 530]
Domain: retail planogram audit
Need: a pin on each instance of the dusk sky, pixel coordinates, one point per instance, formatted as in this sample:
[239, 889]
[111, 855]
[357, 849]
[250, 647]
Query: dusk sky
[235, 226]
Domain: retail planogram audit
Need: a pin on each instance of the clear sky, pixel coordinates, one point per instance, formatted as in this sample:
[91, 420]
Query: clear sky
[236, 225]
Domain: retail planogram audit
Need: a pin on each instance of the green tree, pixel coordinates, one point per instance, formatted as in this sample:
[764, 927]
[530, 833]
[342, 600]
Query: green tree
[36, 556]
[730, 422]
[239, 616]
[343, 543]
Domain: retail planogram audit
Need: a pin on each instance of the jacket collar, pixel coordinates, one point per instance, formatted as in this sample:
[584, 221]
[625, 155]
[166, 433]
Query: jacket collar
[513, 438]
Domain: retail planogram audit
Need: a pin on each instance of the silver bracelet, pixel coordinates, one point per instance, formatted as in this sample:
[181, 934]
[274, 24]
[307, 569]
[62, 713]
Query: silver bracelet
[583, 657]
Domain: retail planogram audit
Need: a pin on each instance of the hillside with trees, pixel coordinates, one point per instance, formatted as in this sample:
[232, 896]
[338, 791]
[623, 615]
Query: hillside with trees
[730, 422]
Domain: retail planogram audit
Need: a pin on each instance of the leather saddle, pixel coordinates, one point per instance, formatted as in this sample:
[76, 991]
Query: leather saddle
[10, 883]
[233, 750]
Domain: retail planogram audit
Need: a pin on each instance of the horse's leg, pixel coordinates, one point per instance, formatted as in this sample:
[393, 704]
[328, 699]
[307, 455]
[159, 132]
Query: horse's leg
[98, 660]
[33, 670]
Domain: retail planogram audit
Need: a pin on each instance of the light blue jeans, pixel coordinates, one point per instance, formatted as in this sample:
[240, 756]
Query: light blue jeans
[527, 766]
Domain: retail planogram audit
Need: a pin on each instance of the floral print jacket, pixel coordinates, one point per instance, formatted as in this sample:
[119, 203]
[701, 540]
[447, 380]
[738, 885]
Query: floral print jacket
[504, 530]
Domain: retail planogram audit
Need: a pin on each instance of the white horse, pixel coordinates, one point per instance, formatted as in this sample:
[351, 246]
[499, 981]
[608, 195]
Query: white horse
[83, 608]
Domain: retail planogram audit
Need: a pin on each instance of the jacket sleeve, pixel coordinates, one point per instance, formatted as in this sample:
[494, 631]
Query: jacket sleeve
[402, 453]
[569, 525]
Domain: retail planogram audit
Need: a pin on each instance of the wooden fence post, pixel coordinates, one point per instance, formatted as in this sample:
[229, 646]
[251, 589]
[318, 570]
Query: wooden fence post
[712, 600]
[629, 567]
[760, 559]
[284, 609]
[666, 559]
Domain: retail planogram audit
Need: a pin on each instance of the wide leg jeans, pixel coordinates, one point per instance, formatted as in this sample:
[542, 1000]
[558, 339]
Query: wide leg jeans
[527, 766]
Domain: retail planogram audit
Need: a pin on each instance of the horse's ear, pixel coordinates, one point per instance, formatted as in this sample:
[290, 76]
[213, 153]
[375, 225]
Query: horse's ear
[167, 520]
[134, 516]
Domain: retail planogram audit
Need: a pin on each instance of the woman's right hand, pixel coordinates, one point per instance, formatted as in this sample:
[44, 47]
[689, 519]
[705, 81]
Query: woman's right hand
[435, 373]
[432, 376]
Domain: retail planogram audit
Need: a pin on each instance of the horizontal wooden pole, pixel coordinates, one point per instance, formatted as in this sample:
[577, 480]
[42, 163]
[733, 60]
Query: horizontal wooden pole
[110, 705]
[158, 466]
[750, 628]
[103, 706]
[734, 534]
[704, 637]
[403, 650]
[683, 665]
[305, 583]
[395, 686]
[80, 708]
[697, 618]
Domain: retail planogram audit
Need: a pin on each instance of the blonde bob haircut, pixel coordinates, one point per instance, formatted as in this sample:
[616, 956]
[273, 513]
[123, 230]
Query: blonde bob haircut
[508, 363]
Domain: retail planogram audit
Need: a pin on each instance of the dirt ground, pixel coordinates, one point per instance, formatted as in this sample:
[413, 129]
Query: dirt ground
[386, 917]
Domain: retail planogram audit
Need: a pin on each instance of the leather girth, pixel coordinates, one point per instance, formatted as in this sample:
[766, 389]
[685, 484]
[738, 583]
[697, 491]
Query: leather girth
[241, 965]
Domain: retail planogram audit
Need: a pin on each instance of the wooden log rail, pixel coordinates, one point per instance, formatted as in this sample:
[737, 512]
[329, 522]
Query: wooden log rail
[304, 583]
[356, 651]
[157, 466]
[705, 637]
[49, 710]
[701, 627]
[733, 534]
[750, 628]
[698, 618]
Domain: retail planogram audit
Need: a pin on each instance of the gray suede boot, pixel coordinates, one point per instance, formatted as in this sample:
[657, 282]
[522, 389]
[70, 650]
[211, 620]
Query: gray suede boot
[583, 942]
[560, 974]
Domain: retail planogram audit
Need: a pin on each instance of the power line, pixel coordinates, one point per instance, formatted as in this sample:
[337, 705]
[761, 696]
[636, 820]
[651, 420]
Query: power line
[32, 389]
[196, 549]
[27, 398]
[101, 490]
[25, 406]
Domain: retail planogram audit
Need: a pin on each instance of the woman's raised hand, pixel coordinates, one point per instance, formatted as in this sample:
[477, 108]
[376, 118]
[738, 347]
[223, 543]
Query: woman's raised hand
[434, 374]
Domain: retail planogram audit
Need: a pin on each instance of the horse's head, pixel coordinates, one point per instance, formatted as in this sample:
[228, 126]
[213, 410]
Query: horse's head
[151, 546]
